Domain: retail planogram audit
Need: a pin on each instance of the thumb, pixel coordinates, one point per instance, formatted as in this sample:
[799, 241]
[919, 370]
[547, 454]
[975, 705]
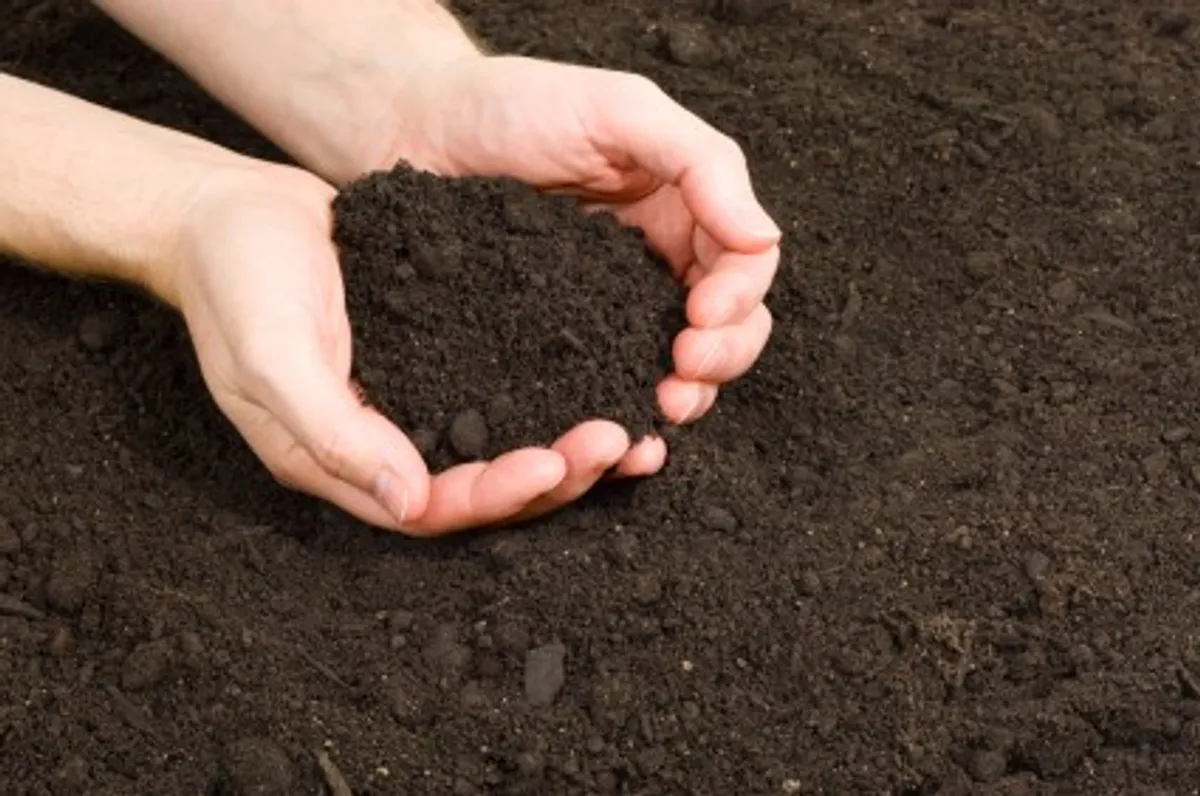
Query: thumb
[679, 148]
[349, 445]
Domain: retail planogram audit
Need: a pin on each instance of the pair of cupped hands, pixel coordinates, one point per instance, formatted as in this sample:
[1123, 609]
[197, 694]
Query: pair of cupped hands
[260, 287]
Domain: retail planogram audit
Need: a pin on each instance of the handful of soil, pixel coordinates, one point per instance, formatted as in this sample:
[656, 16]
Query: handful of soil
[488, 316]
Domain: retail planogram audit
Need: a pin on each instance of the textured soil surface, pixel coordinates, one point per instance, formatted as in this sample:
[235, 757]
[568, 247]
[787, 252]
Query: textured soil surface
[451, 284]
[941, 541]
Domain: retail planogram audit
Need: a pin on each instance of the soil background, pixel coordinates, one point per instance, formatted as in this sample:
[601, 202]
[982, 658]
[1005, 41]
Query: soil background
[941, 541]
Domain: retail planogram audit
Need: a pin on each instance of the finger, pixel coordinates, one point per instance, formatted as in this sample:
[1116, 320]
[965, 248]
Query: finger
[484, 493]
[720, 355]
[589, 450]
[683, 401]
[732, 289]
[305, 475]
[295, 468]
[644, 459]
[349, 441]
[637, 119]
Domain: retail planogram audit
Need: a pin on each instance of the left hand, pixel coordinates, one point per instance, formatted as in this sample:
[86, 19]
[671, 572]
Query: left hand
[619, 143]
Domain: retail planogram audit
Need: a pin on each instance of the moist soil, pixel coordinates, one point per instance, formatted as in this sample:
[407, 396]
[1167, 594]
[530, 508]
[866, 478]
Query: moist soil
[942, 539]
[451, 282]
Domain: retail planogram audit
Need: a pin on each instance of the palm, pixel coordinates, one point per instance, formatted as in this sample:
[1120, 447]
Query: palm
[264, 301]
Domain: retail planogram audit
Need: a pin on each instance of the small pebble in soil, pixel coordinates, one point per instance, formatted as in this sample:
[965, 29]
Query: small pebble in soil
[401, 621]
[1037, 565]
[690, 44]
[61, 642]
[500, 408]
[987, 765]
[1064, 292]
[1156, 465]
[258, 767]
[147, 665]
[469, 434]
[810, 583]
[647, 589]
[983, 264]
[1172, 436]
[438, 264]
[718, 518]
[10, 540]
[545, 673]
[1168, 22]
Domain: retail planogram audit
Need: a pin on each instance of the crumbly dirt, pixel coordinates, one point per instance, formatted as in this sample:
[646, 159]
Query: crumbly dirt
[942, 540]
[451, 282]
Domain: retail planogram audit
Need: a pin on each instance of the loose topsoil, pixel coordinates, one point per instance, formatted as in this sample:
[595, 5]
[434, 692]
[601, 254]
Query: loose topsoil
[942, 540]
[488, 318]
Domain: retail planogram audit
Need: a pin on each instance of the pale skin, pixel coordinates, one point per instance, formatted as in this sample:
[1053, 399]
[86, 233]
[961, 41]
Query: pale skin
[242, 249]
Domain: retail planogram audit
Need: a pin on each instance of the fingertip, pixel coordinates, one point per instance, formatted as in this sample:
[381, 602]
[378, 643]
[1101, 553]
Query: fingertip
[541, 469]
[647, 457]
[593, 440]
[674, 399]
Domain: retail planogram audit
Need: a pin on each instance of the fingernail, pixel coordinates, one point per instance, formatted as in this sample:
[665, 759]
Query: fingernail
[695, 412]
[756, 221]
[712, 360]
[391, 492]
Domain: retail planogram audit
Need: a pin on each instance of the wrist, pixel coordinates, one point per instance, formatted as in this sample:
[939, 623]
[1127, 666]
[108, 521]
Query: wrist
[338, 77]
[95, 194]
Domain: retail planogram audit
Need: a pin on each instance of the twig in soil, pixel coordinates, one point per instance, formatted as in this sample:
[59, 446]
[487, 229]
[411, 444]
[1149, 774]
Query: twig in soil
[13, 607]
[574, 341]
[333, 776]
[132, 714]
[325, 670]
[1188, 682]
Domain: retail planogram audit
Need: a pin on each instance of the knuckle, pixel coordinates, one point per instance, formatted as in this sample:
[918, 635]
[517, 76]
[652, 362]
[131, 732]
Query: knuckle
[330, 454]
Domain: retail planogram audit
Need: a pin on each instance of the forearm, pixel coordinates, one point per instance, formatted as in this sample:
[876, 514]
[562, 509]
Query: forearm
[90, 192]
[318, 78]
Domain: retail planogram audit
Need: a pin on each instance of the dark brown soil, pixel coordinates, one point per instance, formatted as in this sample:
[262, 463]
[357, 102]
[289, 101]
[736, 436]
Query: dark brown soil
[450, 283]
[943, 540]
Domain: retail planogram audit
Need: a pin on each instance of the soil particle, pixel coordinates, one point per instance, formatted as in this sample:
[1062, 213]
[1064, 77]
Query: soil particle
[148, 664]
[810, 583]
[1169, 22]
[987, 765]
[690, 44]
[258, 767]
[545, 673]
[718, 518]
[1037, 566]
[1176, 435]
[469, 434]
[10, 540]
[647, 589]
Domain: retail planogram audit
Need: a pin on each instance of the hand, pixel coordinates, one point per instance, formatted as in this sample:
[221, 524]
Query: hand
[260, 287]
[620, 144]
